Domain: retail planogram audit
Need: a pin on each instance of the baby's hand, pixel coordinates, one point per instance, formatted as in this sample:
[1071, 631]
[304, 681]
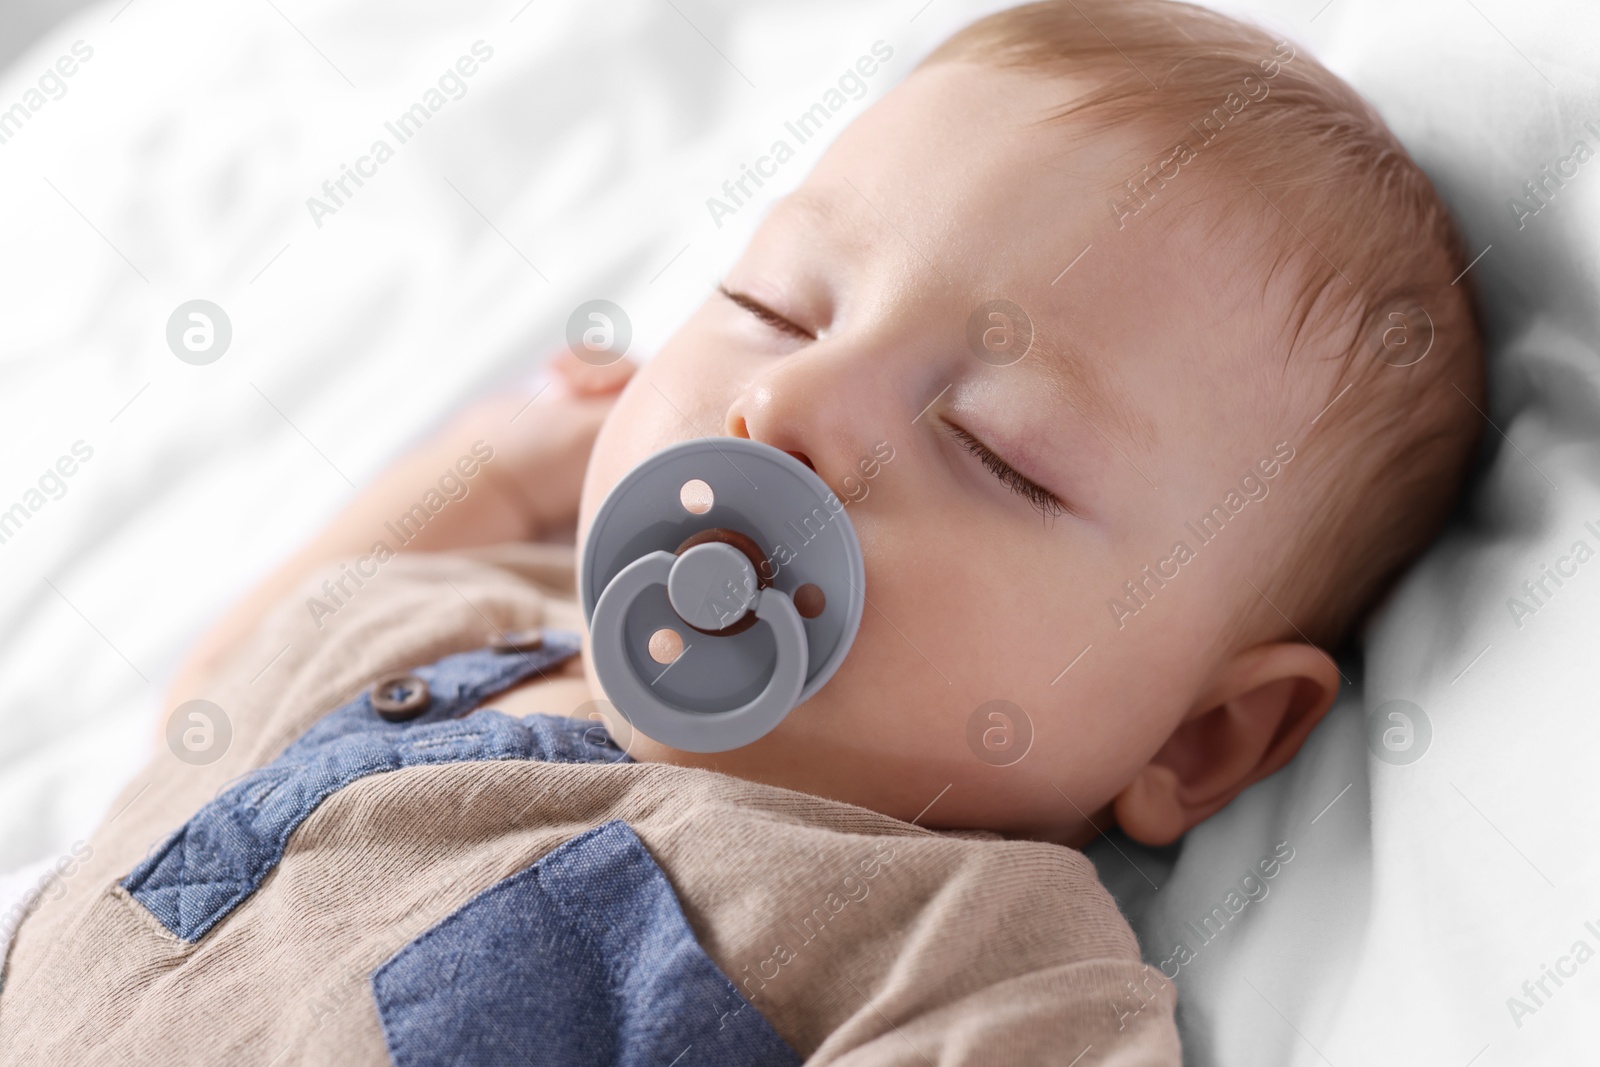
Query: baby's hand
[542, 439]
[530, 486]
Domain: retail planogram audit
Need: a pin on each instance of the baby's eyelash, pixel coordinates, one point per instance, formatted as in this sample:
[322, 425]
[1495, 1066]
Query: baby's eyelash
[767, 315]
[1043, 500]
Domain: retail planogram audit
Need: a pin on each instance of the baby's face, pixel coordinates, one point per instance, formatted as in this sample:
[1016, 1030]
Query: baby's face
[1019, 498]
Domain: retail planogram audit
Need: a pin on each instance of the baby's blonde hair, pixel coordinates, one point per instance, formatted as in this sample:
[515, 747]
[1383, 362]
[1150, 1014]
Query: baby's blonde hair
[1356, 221]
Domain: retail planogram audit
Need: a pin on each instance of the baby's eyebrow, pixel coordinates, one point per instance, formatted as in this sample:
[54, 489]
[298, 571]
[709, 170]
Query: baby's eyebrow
[807, 206]
[1076, 377]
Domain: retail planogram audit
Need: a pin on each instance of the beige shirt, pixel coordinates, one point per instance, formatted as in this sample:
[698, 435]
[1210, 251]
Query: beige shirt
[956, 950]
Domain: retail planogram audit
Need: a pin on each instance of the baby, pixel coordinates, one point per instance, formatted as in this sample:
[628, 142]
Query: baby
[1132, 340]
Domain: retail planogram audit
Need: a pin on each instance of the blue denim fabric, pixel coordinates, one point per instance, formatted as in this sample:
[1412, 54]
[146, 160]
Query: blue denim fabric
[216, 860]
[582, 960]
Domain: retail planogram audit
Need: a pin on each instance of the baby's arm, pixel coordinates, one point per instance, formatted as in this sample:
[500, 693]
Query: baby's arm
[530, 487]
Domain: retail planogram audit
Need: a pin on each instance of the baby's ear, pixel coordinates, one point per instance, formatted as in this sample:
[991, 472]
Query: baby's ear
[1247, 723]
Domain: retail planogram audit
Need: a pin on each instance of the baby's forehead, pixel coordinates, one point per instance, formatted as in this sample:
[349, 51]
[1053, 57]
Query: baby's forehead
[978, 159]
[960, 174]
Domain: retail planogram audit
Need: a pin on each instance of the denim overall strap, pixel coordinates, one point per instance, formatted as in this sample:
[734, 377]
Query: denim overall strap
[221, 855]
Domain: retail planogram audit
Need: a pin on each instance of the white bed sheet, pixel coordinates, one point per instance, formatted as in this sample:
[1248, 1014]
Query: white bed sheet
[577, 165]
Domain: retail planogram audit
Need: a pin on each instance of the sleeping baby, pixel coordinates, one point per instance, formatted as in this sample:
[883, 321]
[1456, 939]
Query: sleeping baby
[1126, 333]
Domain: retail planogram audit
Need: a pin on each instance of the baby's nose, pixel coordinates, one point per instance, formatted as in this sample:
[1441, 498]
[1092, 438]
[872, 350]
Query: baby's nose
[737, 427]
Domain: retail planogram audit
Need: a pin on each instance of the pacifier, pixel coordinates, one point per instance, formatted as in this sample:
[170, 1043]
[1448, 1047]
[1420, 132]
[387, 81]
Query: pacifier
[737, 552]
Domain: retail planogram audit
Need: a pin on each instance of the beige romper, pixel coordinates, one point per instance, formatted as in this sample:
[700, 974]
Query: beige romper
[341, 889]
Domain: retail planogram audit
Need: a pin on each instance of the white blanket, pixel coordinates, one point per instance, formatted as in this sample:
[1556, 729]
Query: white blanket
[176, 161]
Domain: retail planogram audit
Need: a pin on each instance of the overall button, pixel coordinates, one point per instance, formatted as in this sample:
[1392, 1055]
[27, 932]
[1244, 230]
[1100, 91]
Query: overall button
[400, 697]
[517, 641]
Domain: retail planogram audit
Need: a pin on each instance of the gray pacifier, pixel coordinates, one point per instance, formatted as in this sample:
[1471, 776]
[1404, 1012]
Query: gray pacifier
[723, 585]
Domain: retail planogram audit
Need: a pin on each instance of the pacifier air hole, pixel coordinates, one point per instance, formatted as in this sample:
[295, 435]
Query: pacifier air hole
[696, 497]
[732, 563]
[666, 645]
[810, 601]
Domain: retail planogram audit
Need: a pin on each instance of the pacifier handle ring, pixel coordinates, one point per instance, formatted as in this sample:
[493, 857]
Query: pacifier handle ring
[693, 731]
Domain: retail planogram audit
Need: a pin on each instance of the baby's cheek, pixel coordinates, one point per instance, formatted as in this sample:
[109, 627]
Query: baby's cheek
[630, 433]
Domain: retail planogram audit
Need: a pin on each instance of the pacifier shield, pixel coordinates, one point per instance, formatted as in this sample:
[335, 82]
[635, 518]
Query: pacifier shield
[715, 540]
